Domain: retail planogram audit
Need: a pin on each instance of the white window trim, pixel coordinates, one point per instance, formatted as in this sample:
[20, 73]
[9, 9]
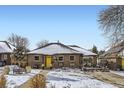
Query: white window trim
[37, 56]
[61, 56]
[70, 59]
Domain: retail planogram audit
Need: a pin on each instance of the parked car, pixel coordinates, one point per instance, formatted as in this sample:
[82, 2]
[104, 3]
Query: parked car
[2, 63]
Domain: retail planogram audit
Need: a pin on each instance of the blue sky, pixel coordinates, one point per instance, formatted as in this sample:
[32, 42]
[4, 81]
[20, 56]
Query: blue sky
[76, 25]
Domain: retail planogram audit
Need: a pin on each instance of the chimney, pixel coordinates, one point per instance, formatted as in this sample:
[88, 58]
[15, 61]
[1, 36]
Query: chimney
[58, 41]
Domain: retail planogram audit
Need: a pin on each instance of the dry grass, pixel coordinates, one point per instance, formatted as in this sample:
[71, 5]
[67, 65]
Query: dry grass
[6, 70]
[2, 81]
[39, 81]
[109, 77]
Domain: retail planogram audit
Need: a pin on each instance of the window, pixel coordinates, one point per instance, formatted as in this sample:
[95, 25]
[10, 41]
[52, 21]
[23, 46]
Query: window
[36, 57]
[72, 58]
[5, 57]
[61, 58]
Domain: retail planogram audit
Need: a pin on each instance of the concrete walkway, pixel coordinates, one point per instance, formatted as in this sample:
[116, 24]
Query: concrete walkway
[28, 83]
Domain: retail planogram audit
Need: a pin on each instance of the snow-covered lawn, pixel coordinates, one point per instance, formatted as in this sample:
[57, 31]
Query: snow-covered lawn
[121, 73]
[1, 70]
[73, 79]
[58, 78]
[17, 80]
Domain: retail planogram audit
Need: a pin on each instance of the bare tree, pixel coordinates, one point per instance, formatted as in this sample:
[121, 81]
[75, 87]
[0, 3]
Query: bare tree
[42, 43]
[18, 41]
[21, 46]
[112, 22]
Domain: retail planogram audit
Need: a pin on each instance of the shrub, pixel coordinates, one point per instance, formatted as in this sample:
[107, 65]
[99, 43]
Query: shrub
[39, 81]
[2, 81]
[28, 69]
[6, 70]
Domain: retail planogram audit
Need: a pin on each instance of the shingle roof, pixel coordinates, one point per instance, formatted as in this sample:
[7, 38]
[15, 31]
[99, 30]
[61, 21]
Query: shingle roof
[54, 48]
[114, 50]
[6, 47]
[82, 50]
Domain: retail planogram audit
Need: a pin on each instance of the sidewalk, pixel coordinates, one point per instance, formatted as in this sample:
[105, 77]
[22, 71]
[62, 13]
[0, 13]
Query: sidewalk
[28, 83]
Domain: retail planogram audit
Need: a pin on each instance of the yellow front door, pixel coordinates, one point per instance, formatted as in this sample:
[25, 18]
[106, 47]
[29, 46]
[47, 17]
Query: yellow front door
[48, 61]
[122, 63]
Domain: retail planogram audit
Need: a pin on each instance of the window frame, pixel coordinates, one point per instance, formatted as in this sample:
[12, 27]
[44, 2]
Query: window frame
[5, 57]
[36, 59]
[70, 58]
[62, 59]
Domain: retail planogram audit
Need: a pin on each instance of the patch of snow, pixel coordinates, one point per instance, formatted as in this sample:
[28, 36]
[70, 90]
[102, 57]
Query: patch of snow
[12, 47]
[73, 79]
[14, 80]
[53, 49]
[83, 51]
[35, 71]
[5, 48]
[1, 70]
[121, 73]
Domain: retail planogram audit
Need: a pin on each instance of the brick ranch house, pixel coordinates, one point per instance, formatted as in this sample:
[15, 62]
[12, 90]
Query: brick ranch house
[58, 55]
[6, 50]
[113, 58]
[53, 54]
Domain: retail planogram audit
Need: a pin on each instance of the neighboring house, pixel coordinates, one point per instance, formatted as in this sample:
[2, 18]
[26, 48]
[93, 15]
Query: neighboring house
[55, 55]
[21, 63]
[113, 58]
[60, 55]
[6, 50]
[89, 58]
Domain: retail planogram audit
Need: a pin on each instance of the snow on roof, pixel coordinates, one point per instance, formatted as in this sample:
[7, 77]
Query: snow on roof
[5, 47]
[113, 50]
[83, 51]
[54, 48]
